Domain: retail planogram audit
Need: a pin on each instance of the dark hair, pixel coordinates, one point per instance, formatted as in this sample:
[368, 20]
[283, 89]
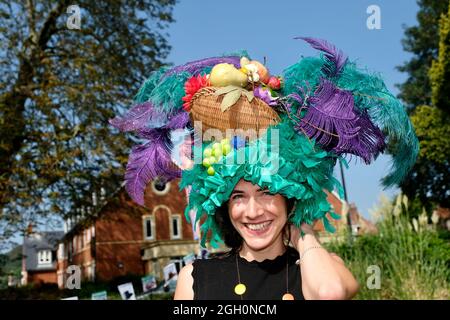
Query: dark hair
[229, 234]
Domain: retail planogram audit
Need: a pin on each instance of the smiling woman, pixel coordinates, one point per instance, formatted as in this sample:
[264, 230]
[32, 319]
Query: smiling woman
[263, 185]
[261, 264]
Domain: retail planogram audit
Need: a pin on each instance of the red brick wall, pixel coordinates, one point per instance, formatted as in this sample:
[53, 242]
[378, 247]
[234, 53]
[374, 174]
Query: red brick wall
[123, 221]
[42, 277]
[83, 256]
[175, 200]
[115, 260]
[119, 231]
[162, 224]
[118, 225]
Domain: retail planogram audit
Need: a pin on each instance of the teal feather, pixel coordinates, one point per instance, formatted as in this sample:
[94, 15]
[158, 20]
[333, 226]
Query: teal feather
[166, 97]
[328, 226]
[305, 73]
[305, 170]
[149, 84]
[370, 94]
[237, 53]
[334, 215]
[387, 112]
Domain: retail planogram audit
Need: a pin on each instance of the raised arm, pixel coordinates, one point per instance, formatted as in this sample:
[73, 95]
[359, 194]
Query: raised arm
[324, 275]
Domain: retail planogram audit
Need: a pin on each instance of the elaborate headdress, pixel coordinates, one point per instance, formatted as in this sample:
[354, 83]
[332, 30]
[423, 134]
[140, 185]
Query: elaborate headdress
[318, 111]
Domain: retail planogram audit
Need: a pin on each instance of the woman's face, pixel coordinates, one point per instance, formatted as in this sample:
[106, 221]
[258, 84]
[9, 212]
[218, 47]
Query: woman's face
[257, 215]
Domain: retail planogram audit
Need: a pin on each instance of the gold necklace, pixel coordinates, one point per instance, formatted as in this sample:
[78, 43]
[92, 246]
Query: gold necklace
[240, 288]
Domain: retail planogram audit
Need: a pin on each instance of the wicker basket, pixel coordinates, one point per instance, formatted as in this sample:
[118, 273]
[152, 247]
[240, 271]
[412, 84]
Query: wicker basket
[256, 115]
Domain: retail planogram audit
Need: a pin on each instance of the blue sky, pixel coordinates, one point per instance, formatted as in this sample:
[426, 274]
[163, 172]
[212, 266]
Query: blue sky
[206, 28]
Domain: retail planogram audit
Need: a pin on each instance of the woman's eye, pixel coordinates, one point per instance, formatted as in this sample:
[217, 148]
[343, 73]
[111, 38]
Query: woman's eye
[236, 196]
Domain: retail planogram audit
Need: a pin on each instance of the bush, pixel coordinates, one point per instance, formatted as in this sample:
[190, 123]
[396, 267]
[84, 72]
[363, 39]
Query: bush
[414, 261]
[35, 292]
[51, 291]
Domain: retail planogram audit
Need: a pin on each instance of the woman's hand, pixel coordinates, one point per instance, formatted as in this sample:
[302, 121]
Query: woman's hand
[324, 275]
[298, 241]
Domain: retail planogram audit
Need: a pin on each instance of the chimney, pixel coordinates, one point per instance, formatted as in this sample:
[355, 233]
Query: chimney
[29, 229]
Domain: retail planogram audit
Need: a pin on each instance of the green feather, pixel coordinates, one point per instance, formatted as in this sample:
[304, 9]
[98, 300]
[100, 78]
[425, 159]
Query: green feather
[166, 97]
[304, 171]
[328, 226]
[149, 84]
[370, 93]
[388, 113]
[302, 74]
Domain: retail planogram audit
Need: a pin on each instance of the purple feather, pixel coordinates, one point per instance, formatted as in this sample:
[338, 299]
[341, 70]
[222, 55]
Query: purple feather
[332, 121]
[195, 67]
[336, 59]
[178, 121]
[368, 144]
[148, 161]
[140, 116]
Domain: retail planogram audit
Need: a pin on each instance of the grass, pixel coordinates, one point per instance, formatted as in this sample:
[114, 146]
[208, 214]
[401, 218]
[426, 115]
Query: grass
[412, 257]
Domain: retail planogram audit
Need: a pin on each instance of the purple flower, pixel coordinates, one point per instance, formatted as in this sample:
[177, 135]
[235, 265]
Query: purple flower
[265, 96]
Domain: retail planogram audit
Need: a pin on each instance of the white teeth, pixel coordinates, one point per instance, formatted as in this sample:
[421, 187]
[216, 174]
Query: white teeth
[258, 226]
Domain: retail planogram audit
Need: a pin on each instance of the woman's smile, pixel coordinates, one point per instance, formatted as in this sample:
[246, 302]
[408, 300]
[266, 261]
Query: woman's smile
[258, 229]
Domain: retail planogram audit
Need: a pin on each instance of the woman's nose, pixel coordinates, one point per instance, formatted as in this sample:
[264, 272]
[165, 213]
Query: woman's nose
[254, 208]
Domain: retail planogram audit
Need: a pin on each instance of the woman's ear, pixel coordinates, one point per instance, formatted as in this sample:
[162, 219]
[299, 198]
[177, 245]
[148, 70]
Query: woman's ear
[286, 233]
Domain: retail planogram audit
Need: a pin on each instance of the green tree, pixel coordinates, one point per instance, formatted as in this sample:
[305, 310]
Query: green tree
[422, 41]
[429, 180]
[59, 86]
[440, 67]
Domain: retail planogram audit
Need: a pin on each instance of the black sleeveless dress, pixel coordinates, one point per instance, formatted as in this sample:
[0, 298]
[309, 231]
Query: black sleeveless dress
[215, 279]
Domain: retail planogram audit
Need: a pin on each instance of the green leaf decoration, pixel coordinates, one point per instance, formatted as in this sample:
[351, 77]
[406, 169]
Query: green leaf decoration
[232, 95]
[273, 93]
[230, 99]
[226, 89]
[249, 95]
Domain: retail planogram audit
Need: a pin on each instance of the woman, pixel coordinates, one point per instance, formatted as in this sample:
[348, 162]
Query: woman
[319, 110]
[260, 220]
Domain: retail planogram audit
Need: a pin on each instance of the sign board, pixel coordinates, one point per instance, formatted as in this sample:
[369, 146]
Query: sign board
[188, 259]
[101, 295]
[148, 283]
[127, 291]
[170, 272]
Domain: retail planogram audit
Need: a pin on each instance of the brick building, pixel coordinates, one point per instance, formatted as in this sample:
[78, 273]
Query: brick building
[39, 263]
[127, 239]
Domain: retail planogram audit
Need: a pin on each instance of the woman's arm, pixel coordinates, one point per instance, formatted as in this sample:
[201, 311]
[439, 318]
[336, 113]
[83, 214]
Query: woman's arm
[324, 275]
[185, 281]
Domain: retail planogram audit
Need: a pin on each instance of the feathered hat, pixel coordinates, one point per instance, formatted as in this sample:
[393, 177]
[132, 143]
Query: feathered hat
[284, 133]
